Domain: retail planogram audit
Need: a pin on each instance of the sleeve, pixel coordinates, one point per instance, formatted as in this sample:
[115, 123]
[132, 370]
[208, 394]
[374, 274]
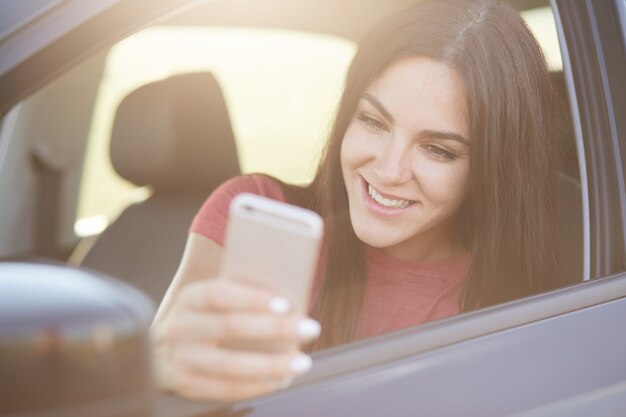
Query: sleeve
[211, 219]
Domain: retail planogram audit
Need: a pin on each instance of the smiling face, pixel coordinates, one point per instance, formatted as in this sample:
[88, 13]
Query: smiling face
[405, 160]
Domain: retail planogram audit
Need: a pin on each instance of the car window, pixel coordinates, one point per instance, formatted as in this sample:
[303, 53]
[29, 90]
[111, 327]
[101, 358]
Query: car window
[281, 89]
[279, 111]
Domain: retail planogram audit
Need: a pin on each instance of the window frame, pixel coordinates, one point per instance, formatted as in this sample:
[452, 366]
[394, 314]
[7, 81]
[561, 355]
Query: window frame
[592, 75]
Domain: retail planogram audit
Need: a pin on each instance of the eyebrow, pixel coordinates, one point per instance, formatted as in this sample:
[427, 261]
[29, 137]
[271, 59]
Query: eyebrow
[435, 134]
[378, 106]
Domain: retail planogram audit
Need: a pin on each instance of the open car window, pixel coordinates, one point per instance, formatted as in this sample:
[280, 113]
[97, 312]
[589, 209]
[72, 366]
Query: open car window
[281, 88]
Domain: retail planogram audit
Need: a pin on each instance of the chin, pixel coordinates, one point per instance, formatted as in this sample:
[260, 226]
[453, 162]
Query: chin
[374, 237]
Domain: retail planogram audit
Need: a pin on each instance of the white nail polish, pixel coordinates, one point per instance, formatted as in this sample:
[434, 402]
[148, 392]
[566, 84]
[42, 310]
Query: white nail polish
[309, 328]
[301, 364]
[279, 305]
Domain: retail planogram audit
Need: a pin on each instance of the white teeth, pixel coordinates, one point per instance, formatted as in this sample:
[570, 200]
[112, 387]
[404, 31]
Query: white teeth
[385, 202]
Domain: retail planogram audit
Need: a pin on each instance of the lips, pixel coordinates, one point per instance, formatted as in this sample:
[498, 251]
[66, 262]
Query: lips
[383, 203]
[387, 202]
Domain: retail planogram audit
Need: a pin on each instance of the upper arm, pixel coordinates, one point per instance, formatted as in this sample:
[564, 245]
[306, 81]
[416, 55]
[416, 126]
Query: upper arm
[200, 260]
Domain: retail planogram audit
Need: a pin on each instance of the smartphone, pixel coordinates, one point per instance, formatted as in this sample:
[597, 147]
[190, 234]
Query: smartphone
[272, 244]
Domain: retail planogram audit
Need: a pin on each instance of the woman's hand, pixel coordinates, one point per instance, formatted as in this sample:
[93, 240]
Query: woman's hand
[206, 316]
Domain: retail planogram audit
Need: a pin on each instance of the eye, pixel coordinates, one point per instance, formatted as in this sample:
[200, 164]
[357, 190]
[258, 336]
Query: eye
[372, 123]
[440, 153]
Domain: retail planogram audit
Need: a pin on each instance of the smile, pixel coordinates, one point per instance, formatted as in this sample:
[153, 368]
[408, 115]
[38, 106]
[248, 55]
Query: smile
[386, 202]
[383, 203]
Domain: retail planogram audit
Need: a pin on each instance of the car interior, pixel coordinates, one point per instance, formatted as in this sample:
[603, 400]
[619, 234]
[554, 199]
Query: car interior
[174, 138]
[173, 135]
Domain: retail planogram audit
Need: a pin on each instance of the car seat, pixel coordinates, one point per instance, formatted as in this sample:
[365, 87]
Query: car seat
[175, 136]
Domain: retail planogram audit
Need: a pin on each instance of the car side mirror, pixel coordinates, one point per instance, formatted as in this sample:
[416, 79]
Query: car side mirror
[72, 343]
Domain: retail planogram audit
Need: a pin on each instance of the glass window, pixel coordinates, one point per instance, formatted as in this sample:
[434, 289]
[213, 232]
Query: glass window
[281, 89]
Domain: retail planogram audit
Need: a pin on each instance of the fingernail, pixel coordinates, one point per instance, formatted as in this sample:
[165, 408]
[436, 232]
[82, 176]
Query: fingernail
[309, 328]
[279, 305]
[301, 364]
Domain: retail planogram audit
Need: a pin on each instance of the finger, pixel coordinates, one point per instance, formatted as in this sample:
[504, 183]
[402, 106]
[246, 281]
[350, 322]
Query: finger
[227, 295]
[210, 328]
[236, 365]
[203, 387]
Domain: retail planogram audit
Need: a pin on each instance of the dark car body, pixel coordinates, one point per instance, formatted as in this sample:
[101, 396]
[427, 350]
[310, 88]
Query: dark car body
[561, 353]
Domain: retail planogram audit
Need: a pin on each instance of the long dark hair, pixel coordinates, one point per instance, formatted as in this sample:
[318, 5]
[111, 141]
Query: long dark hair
[509, 219]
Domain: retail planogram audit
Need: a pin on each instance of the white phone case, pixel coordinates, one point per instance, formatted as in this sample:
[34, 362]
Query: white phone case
[272, 244]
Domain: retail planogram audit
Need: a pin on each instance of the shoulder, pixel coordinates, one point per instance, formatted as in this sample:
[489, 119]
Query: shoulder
[259, 184]
[210, 221]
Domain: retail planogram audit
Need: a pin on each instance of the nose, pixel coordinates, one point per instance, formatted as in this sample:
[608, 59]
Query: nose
[393, 165]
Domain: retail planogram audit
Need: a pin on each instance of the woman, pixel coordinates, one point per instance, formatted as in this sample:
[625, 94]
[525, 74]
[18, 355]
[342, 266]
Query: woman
[435, 188]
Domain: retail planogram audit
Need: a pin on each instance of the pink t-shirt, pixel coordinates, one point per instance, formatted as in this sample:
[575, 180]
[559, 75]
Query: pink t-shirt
[398, 293]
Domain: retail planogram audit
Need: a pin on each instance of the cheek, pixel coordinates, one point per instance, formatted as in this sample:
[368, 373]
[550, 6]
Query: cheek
[350, 149]
[447, 184]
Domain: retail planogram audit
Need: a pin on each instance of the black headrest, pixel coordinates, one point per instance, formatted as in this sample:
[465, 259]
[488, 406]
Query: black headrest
[175, 135]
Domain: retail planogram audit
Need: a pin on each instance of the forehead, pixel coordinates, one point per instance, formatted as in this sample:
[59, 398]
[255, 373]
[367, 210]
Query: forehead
[425, 93]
